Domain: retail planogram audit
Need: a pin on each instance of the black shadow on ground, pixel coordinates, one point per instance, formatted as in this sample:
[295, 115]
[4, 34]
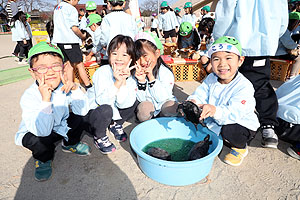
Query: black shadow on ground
[76, 177]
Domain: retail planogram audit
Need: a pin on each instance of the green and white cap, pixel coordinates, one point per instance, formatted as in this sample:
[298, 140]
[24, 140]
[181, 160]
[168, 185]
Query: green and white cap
[206, 8]
[44, 47]
[185, 28]
[90, 5]
[294, 15]
[164, 4]
[226, 43]
[27, 15]
[93, 18]
[188, 5]
[151, 37]
[177, 9]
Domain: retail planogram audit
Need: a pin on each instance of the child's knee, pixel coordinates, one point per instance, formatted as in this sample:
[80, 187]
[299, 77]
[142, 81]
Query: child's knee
[169, 109]
[145, 111]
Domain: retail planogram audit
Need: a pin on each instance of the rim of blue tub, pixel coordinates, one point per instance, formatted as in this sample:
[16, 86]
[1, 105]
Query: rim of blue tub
[174, 164]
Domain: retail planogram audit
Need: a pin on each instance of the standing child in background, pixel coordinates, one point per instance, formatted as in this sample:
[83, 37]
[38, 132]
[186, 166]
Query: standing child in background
[189, 16]
[94, 25]
[116, 22]
[288, 115]
[91, 8]
[28, 20]
[205, 29]
[188, 37]
[22, 34]
[154, 24]
[227, 99]
[67, 37]
[204, 11]
[155, 80]
[168, 23]
[177, 13]
[114, 86]
[45, 111]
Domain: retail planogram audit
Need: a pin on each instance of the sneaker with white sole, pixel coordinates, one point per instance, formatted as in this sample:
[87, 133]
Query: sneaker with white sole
[104, 145]
[269, 137]
[81, 148]
[294, 151]
[118, 132]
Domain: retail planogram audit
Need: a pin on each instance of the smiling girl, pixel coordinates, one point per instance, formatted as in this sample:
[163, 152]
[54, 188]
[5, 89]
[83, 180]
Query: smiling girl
[155, 80]
[114, 86]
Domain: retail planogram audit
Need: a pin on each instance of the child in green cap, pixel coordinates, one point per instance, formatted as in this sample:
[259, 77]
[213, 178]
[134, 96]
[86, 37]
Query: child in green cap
[188, 37]
[45, 111]
[189, 16]
[94, 22]
[227, 101]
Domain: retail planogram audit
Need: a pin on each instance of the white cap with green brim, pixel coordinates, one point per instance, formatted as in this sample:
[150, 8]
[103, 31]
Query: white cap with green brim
[226, 43]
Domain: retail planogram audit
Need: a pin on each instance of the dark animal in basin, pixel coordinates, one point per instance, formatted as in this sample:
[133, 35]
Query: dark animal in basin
[159, 153]
[200, 149]
[191, 112]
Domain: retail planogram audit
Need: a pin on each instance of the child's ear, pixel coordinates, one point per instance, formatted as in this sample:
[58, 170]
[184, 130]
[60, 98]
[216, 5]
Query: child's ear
[241, 60]
[32, 73]
[157, 53]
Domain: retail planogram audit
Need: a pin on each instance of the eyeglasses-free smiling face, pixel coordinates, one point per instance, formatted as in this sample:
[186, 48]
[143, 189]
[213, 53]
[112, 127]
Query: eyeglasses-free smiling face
[119, 57]
[225, 65]
[48, 67]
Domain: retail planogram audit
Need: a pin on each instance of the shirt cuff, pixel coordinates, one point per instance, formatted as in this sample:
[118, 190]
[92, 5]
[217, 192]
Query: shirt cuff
[46, 107]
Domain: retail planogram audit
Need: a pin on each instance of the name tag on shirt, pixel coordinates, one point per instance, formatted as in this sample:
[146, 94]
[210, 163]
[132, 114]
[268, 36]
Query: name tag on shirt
[259, 63]
[67, 46]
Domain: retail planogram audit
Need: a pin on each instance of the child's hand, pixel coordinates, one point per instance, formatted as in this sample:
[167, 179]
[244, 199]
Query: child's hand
[45, 90]
[208, 110]
[140, 73]
[68, 85]
[149, 71]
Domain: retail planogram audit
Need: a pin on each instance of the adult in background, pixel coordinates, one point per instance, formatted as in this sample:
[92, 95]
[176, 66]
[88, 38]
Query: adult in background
[258, 25]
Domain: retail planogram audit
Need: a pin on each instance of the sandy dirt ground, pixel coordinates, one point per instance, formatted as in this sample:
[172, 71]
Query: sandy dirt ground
[264, 174]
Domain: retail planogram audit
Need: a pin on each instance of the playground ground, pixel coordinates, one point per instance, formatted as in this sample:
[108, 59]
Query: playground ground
[264, 174]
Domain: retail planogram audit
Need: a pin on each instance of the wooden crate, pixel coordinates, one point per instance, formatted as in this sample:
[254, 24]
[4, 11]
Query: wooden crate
[280, 69]
[90, 70]
[188, 72]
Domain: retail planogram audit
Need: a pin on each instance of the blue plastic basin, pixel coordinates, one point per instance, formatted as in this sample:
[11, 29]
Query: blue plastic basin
[170, 172]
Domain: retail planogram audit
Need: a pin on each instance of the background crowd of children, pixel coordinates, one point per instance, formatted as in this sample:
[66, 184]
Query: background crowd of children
[236, 98]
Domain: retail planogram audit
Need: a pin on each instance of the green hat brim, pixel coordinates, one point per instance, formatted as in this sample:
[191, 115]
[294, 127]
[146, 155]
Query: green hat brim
[44, 47]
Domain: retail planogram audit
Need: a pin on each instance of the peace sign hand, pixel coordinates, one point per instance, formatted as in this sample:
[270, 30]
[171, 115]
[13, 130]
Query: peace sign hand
[68, 85]
[140, 73]
[45, 90]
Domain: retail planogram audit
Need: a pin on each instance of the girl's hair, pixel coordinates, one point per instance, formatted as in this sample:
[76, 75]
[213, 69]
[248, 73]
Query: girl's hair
[117, 41]
[140, 45]
[35, 58]
[206, 24]
[21, 17]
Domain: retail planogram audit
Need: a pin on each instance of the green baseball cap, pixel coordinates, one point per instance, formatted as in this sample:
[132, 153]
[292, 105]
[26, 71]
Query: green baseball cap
[90, 5]
[185, 28]
[188, 5]
[294, 15]
[226, 43]
[177, 9]
[164, 4]
[293, 1]
[93, 18]
[44, 47]
[27, 15]
[206, 8]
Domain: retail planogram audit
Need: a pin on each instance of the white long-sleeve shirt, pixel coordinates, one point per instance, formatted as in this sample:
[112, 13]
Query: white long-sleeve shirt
[65, 17]
[257, 24]
[161, 91]
[41, 118]
[19, 32]
[288, 96]
[105, 92]
[189, 18]
[234, 102]
[115, 23]
[168, 21]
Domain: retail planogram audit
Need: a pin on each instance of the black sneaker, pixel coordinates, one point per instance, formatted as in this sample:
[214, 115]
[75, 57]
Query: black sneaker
[294, 151]
[118, 132]
[269, 137]
[104, 145]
